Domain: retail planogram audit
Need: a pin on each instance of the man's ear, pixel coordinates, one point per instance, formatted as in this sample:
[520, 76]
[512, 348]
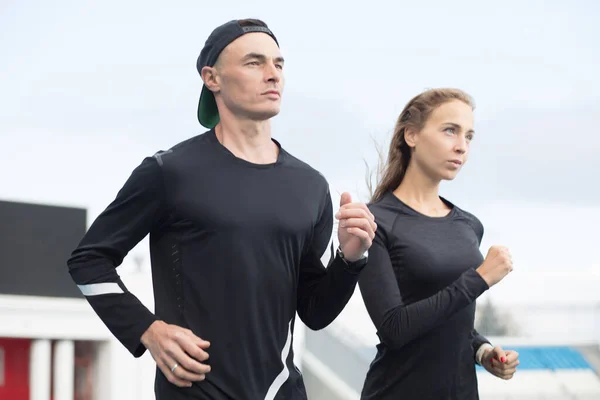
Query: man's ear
[210, 78]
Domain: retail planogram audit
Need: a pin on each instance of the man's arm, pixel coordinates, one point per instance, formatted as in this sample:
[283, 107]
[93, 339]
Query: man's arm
[139, 208]
[136, 209]
[324, 292]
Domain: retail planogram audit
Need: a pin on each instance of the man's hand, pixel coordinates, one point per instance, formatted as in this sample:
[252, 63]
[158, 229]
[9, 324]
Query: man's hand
[177, 352]
[356, 229]
[500, 363]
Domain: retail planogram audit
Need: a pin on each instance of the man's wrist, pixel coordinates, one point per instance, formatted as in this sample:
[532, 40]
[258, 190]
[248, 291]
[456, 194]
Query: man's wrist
[148, 333]
[481, 351]
[353, 264]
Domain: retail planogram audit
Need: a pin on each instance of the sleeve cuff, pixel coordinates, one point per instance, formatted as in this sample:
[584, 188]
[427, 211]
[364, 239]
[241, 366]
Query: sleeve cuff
[474, 285]
[480, 351]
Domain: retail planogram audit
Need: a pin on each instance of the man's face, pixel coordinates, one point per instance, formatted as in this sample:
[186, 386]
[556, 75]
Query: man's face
[249, 77]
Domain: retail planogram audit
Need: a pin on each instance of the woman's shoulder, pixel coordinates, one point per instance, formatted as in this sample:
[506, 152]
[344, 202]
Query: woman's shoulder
[386, 211]
[384, 206]
[470, 219]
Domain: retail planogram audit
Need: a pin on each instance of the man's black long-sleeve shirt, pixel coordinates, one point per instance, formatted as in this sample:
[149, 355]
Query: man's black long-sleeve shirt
[419, 288]
[236, 251]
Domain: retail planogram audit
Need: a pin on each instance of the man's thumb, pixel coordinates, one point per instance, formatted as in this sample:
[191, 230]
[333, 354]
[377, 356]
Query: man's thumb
[345, 199]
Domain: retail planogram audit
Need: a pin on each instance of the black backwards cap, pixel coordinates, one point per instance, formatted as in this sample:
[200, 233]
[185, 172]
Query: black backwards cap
[221, 37]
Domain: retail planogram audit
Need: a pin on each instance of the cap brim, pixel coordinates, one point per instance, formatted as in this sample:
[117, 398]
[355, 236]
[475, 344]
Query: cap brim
[208, 113]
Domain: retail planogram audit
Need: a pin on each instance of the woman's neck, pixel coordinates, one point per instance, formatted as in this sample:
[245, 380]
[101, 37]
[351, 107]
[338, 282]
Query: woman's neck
[421, 193]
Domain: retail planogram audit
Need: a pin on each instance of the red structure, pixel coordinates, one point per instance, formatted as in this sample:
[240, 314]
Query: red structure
[14, 369]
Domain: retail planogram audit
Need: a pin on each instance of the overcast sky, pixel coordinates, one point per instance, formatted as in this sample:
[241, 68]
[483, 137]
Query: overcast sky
[87, 89]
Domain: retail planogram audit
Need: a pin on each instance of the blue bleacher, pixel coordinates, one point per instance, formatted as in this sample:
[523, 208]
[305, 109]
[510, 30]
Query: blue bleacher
[550, 358]
[531, 358]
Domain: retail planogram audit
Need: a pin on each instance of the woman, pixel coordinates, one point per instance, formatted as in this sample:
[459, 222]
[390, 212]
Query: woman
[425, 269]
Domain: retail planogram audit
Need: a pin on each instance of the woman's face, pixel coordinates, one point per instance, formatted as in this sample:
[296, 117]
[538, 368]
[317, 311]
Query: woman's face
[441, 148]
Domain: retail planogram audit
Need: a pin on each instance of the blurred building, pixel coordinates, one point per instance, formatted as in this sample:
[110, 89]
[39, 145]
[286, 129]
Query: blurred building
[52, 344]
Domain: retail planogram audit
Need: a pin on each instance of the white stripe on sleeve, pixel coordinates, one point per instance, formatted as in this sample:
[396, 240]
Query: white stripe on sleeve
[96, 289]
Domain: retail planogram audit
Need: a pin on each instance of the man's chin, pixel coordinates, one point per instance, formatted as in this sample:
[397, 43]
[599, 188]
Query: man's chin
[266, 114]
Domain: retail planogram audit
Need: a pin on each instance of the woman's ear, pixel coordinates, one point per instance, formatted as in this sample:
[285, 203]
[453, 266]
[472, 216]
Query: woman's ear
[410, 136]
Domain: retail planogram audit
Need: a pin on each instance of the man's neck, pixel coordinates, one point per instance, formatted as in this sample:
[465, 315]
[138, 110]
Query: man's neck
[420, 192]
[248, 140]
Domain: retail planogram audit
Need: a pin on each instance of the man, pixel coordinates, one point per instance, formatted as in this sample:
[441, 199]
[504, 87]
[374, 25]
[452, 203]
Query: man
[237, 229]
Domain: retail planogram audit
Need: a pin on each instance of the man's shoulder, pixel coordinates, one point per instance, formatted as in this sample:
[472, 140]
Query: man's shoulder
[305, 168]
[176, 151]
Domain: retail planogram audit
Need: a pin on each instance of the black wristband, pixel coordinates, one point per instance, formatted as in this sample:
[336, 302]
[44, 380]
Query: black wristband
[354, 266]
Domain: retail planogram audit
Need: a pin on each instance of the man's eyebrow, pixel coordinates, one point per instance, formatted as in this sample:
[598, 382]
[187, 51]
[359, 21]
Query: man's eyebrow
[262, 57]
[254, 55]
